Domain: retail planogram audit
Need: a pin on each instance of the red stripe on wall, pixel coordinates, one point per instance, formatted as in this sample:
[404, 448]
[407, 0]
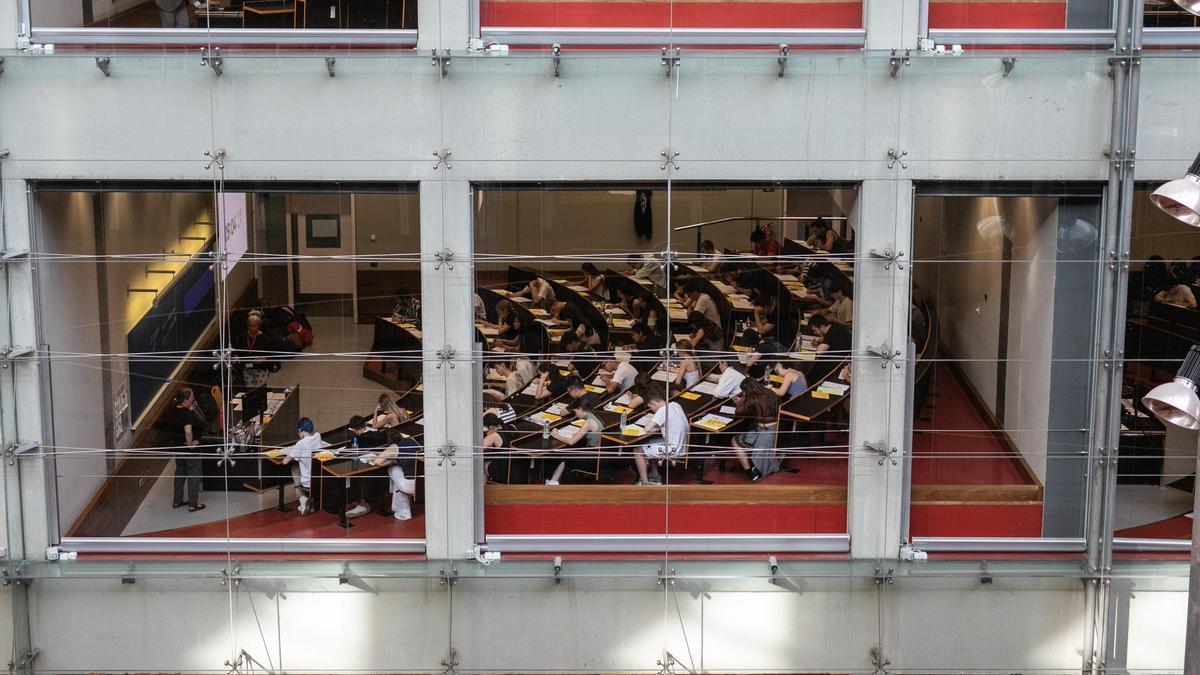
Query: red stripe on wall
[660, 14]
[652, 518]
[998, 15]
[976, 520]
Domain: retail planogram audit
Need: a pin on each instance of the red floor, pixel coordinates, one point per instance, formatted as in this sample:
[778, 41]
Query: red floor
[954, 417]
[320, 525]
[1179, 527]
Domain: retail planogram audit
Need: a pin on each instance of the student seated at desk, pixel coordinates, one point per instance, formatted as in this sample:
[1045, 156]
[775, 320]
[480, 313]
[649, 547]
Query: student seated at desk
[792, 384]
[753, 283]
[1179, 295]
[646, 343]
[635, 307]
[495, 445]
[363, 437]
[760, 347]
[768, 318]
[712, 257]
[505, 320]
[760, 408]
[539, 291]
[570, 343]
[694, 299]
[730, 382]
[685, 371]
[387, 413]
[706, 336]
[841, 310]
[763, 242]
[550, 381]
[648, 266]
[673, 423]
[593, 278]
[617, 374]
[830, 336]
[299, 455]
[517, 374]
[400, 458]
[823, 238]
[571, 435]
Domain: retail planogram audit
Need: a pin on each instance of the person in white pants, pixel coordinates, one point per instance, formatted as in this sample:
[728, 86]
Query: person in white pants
[397, 456]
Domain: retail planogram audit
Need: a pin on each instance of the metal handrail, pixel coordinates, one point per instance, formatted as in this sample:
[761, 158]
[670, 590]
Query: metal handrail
[699, 227]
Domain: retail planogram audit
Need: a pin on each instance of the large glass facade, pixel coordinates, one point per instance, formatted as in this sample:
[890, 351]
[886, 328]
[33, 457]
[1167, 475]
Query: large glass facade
[714, 340]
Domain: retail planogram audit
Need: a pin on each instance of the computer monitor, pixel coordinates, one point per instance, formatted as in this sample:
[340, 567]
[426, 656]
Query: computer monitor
[254, 402]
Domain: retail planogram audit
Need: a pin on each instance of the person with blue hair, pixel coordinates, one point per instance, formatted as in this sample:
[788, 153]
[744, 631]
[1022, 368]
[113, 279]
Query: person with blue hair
[299, 455]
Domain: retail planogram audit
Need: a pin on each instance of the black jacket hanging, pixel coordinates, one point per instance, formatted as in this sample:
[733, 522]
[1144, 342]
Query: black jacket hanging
[643, 216]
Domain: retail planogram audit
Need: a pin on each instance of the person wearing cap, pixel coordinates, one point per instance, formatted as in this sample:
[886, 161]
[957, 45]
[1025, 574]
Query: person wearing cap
[299, 456]
[617, 374]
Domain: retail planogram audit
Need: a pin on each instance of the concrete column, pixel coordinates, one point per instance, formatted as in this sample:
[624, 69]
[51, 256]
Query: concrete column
[892, 24]
[882, 218]
[443, 24]
[447, 301]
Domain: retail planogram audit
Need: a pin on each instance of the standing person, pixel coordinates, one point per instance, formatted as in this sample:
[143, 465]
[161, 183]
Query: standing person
[673, 423]
[643, 215]
[249, 347]
[173, 13]
[188, 422]
[300, 457]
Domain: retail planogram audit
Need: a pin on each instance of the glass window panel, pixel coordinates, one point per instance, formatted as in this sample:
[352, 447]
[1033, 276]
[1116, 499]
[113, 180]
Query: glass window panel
[584, 263]
[1006, 283]
[1157, 466]
[679, 14]
[225, 14]
[1020, 14]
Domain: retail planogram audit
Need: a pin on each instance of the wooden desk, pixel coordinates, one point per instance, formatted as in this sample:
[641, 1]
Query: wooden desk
[269, 14]
[807, 407]
[349, 473]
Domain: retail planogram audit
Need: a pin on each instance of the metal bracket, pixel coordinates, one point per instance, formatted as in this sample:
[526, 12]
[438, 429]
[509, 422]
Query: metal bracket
[25, 662]
[3, 153]
[212, 60]
[1, 65]
[556, 50]
[448, 579]
[666, 665]
[670, 63]
[669, 159]
[1123, 61]
[896, 61]
[445, 355]
[218, 159]
[14, 452]
[886, 353]
[668, 578]
[443, 157]
[450, 663]
[227, 576]
[557, 569]
[102, 62]
[443, 61]
[329, 63]
[1009, 62]
[894, 158]
[892, 258]
[444, 257]
[446, 453]
[878, 661]
[782, 59]
[13, 352]
[885, 453]
[882, 577]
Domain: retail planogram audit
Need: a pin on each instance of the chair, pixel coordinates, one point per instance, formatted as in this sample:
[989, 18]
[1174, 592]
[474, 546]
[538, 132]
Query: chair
[269, 14]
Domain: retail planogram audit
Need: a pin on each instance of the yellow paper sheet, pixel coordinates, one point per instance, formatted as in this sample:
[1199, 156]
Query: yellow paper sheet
[689, 395]
[323, 456]
[820, 394]
[594, 389]
[275, 453]
[632, 430]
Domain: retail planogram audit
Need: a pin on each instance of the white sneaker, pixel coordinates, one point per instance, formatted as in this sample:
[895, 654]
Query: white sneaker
[403, 515]
[551, 481]
[304, 506]
[360, 510]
